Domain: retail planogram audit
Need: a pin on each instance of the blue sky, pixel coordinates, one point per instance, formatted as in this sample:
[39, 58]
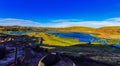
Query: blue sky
[60, 13]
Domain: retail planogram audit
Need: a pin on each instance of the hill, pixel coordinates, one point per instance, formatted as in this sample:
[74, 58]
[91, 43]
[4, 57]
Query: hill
[103, 32]
[77, 29]
[54, 40]
[108, 32]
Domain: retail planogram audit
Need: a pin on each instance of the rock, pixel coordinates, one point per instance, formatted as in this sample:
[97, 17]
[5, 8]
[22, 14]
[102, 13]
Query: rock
[37, 48]
[49, 60]
[56, 59]
[2, 52]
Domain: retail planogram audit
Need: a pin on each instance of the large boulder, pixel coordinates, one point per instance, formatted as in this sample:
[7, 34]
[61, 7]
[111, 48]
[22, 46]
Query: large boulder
[55, 59]
[49, 60]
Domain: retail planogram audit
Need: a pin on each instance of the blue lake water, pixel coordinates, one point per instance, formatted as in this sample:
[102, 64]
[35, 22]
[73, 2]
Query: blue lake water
[116, 45]
[82, 37]
[18, 33]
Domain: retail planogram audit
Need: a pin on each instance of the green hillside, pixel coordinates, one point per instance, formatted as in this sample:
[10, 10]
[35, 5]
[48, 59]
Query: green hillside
[55, 40]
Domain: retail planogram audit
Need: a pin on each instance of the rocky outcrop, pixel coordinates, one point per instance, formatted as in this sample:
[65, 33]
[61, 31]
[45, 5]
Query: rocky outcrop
[2, 52]
[55, 59]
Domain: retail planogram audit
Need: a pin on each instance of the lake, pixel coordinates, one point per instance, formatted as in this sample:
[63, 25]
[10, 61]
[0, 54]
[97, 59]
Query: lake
[82, 37]
[18, 33]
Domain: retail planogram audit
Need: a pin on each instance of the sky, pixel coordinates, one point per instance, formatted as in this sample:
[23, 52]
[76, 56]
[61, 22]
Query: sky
[60, 13]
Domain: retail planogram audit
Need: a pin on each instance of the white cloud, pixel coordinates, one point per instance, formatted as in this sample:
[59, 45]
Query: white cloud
[21, 22]
[107, 22]
[61, 22]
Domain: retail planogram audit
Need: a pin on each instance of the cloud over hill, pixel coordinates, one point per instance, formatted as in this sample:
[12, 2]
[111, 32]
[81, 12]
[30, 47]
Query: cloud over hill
[60, 22]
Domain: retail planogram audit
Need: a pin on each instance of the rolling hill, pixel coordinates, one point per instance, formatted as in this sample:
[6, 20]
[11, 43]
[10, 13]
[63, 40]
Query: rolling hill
[103, 32]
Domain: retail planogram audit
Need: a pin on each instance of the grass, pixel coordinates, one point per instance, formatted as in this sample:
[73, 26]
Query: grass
[55, 40]
[81, 49]
[58, 41]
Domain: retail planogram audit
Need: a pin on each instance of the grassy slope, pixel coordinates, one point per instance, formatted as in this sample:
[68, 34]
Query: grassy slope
[77, 29]
[108, 32]
[103, 32]
[55, 40]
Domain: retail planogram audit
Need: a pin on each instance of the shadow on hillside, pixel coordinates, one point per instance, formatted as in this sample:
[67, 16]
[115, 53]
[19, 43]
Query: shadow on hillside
[82, 54]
